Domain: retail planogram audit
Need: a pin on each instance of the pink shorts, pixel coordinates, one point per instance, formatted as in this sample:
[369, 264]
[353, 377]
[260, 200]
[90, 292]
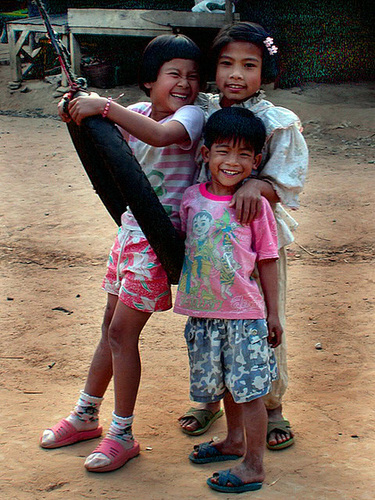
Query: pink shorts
[135, 274]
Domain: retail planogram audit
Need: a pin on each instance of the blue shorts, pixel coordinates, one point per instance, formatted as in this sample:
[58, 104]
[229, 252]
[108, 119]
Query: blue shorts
[229, 355]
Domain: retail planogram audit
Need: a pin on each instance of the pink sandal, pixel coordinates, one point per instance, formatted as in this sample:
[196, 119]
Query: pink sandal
[116, 453]
[66, 434]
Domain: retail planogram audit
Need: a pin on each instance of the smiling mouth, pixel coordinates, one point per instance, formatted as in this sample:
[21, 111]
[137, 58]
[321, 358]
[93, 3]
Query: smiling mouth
[184, 97]
[235, 87]
[230, 172]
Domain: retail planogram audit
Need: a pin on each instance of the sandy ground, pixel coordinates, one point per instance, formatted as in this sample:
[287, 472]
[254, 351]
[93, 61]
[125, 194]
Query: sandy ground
[55, 235]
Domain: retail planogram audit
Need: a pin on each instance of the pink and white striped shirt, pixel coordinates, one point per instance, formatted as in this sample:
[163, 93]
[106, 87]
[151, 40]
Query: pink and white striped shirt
[169, 169]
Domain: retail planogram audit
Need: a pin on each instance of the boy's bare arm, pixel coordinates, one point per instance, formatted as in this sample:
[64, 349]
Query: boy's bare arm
[268, 279]
[143, 127]
[247, 199]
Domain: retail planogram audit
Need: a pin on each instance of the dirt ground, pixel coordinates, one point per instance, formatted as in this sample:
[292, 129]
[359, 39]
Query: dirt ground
[55, 236]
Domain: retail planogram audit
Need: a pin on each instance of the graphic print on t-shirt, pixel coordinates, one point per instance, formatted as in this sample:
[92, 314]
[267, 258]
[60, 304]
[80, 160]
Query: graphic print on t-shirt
[210, 256]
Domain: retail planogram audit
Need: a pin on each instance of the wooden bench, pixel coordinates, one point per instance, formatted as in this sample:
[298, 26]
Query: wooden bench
[137, 22]
[118, 22]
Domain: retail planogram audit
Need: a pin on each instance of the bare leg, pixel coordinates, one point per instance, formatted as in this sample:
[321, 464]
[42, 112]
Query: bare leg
[100, 372]
[124, 332]
[253, 417]
[123, 336]
[273, 400]
[234, 442]
[99, 376]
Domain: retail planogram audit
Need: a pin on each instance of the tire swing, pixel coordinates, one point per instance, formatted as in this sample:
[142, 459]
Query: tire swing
[115, 173]
[119, 181]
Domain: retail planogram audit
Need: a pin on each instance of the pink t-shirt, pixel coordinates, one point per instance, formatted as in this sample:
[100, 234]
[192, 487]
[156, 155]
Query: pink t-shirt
[220, 256]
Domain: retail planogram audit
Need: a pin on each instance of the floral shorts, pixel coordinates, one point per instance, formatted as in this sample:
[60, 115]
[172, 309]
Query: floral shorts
[135, 274]
[229, 355]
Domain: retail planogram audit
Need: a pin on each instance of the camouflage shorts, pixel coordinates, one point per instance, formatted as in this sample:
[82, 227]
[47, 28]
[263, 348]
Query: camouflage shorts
[227, 354]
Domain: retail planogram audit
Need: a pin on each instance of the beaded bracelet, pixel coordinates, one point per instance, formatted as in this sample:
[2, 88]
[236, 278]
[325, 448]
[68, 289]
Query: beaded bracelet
[106, 107]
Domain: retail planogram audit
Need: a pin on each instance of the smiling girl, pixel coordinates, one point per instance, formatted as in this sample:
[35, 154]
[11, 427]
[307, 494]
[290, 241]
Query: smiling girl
[163, 135]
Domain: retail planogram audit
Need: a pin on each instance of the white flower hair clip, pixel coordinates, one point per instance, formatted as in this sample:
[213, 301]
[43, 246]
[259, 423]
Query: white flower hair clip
[272, 49]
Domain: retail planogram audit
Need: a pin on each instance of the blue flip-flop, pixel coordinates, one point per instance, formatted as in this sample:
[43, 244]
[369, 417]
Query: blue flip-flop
[224, 476]
[206, 453]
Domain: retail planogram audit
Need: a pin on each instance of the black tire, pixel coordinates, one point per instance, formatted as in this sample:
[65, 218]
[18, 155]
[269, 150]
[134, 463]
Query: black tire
[120, 181]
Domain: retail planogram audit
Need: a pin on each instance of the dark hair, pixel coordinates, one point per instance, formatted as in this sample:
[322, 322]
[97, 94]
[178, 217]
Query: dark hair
[237, 124]
[162, 49]
[244, 31]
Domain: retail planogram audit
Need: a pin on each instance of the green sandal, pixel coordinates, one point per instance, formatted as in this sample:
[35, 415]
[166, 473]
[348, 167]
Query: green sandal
[205, 418]
[284, 427]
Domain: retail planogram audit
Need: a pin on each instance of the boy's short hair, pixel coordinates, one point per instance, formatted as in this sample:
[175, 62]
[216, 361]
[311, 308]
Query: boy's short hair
[162, 49]
[245, 31]
[237, 124]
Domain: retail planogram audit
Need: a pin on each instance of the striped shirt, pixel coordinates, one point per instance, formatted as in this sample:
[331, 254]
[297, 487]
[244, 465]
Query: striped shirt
[169, 169]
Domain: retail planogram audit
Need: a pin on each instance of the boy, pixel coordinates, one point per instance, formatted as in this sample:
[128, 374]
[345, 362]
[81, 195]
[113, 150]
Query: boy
[227, 333]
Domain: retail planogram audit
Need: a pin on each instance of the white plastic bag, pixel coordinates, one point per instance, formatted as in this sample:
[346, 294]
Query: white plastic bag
[216, 7]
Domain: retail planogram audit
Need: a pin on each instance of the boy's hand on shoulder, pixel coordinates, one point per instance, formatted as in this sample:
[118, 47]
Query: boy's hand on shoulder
[247, 201]
[275, 330]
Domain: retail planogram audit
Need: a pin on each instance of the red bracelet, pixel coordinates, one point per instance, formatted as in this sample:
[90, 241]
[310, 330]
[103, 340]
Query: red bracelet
[106, 107]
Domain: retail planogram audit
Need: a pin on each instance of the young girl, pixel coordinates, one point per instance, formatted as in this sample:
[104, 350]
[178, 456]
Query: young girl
[163, 136]
[227, 333]
[245, 57]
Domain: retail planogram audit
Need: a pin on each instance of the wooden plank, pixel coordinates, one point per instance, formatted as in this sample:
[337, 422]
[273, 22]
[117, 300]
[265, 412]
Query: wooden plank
[59, 23]
[84, 30]
[180, 19]
[14, 59]
[75, 55]
[229, 16]
[21, 40]
[138, 22]
[105, 19]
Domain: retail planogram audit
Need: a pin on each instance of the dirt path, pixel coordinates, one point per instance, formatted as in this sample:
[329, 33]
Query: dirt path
[55, 236]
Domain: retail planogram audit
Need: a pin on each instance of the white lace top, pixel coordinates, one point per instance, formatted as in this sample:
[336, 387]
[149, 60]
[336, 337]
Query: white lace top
[285, 155]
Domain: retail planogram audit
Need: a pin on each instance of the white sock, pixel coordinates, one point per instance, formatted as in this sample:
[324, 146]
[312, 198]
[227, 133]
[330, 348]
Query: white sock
[121, 428]
[121, 431]
[84, 417]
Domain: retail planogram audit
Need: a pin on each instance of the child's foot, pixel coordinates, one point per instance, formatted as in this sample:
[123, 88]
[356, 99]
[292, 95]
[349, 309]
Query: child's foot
[116, 448]
[111, 454]
[217, 451]
[82, 423]
[65, 432]
[279, 433]
[236, 480]
[191, 425]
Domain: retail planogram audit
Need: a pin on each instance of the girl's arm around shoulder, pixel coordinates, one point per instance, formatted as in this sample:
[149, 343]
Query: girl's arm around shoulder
[264, 233]
[283, 167]
[247, 200]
